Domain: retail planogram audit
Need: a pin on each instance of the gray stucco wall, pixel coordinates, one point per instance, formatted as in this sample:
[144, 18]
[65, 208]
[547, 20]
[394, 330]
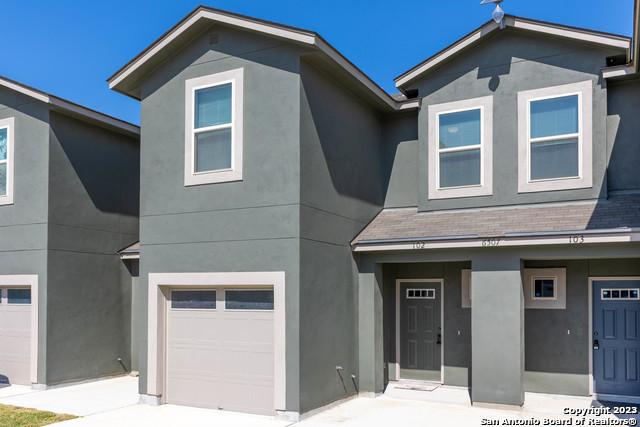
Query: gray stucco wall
[401, 161]
[341, 190]
[252, 225]
[23, 225]
[623, 135]
[93, 213]
[502, 65]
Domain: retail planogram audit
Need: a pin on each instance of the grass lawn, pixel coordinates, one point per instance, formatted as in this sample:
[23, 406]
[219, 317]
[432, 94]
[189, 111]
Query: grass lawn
[11, 416]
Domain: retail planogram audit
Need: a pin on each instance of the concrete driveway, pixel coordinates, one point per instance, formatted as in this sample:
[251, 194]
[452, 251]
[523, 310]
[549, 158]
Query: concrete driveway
[114, 402]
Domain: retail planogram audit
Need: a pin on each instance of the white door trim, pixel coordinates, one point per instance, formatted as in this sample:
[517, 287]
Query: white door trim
[590, 340]
[398, 282]
[160, 283]
[30, 281]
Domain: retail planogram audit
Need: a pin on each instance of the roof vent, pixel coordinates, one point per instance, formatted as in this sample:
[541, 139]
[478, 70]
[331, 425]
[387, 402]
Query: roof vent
[498, 13]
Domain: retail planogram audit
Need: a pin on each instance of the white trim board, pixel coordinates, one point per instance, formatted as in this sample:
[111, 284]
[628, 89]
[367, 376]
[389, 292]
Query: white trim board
[296, 35]
[514, 22]
[397, 321]
[592, 279]
[31, 281]
[159, 283]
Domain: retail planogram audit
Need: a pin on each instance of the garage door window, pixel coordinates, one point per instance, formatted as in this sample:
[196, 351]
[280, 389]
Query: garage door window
[194, 300]
[249, 300]
[19, 296]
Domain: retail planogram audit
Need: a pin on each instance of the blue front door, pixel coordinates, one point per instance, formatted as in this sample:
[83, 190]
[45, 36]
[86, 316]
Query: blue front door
[616, 337]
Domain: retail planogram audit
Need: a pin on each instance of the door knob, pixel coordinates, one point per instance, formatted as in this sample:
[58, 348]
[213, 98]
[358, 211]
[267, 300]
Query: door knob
[439, 339]
[596, 345]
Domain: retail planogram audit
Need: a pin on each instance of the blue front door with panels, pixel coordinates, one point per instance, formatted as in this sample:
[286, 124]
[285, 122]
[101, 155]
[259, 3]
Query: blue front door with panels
[616, 337]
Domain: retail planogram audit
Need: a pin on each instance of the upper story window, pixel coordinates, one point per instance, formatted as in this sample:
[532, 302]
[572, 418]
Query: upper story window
[554, 141]
[6, 161]
[460, 148]
[213, 140]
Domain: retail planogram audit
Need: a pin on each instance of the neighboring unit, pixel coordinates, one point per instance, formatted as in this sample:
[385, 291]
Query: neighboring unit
[68, 203]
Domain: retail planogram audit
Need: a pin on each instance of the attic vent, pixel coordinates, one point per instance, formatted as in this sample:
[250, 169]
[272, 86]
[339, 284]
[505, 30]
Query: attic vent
[411, 93]
[614, 60]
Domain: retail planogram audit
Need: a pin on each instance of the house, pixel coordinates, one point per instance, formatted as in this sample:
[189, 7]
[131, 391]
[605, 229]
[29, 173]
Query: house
[68, 202]
[305, 236]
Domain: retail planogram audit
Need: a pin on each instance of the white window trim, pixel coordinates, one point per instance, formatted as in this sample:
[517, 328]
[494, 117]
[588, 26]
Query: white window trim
[584, 90]
[8, 124]
[485, 188]
[560, 288]
[555, 288]
[236, 78]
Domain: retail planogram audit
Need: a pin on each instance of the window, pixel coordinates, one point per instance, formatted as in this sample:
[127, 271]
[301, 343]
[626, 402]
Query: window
[248, 299]
[6, 161]
[620, 294]
[460, 148]
[555, 138]
[213, 140]
[19, 296]
[544, 288]
[421, 293]
[194, 300]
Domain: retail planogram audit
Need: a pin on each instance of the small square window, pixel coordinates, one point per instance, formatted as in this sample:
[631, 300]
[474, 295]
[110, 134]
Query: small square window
[624, 293]
[615, 294]
[544, 288]
[633, 294]
[19, 296]
[606, 294]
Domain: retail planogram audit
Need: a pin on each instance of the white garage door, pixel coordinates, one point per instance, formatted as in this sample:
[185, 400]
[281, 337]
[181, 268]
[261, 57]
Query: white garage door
[220, 349]
[15, 335]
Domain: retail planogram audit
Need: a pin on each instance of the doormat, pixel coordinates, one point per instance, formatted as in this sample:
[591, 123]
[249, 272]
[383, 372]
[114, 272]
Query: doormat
[416, 387]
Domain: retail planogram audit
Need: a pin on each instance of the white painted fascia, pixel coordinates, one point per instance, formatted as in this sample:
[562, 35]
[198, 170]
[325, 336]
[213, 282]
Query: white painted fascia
[519, 23]
[94, 115]
[618, 71]
[572, 238]
[70, 106]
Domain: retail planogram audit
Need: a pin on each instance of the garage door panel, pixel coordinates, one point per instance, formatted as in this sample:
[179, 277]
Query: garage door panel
[221, 358]
[15, 341]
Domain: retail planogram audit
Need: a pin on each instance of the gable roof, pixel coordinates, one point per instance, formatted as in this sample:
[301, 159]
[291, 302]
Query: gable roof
[579, 34]
[71, 108]
[140, 63]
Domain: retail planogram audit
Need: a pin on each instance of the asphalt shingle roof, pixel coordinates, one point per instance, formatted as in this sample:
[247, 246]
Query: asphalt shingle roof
[405, 223]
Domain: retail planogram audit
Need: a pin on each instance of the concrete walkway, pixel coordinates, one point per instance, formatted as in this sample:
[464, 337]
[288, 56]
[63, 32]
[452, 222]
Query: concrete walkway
[114, 402]
[80, 399]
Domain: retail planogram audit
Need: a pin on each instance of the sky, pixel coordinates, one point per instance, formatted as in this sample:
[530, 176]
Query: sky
[69, 47]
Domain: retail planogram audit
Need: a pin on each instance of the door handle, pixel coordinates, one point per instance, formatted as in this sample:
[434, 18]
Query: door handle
[439, 339]
[596, 345]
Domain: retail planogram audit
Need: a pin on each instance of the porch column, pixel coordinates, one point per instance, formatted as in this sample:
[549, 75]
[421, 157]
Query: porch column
[370, 333]
[497, 329]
